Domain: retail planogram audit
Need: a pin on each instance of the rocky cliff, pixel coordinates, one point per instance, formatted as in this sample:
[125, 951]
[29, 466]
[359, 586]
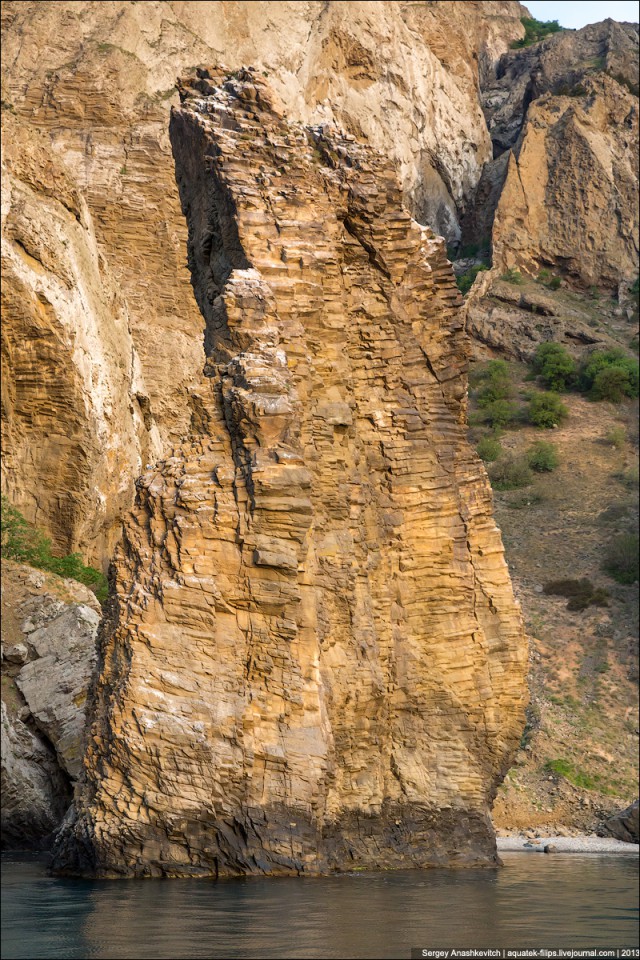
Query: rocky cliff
[101, 335]
[317, 662]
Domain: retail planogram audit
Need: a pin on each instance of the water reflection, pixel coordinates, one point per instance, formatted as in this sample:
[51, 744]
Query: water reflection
[557, 902]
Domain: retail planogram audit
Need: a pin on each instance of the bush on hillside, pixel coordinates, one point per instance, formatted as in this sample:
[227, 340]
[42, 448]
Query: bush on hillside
[613, 384]
[546, 410]
[510, 473]
[489, 449]
[597, 379]
[499, 413]
[494, 382]
[534, 31]
[512, 276]
[543, 457]
[466, 280]
[580, 593]
[617, 437]
[555, 366]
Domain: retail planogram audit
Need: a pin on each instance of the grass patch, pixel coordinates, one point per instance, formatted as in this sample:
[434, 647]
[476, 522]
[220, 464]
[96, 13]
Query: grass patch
[512, 276]
[22, 542]
[563, 768]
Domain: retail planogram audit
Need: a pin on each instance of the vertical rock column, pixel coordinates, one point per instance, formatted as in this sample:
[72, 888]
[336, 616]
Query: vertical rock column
[316, 660]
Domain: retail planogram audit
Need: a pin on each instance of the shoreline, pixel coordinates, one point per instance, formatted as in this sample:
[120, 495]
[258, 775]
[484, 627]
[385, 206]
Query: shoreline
[584, 844]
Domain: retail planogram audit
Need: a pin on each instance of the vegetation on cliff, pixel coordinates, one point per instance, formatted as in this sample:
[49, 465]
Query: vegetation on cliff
[23, 542]
[534, 31]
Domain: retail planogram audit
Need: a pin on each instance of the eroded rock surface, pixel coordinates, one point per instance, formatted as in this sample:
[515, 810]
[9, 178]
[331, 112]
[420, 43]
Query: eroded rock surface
[317, 662]
[563, 187]
[49, 629]
[102, 340]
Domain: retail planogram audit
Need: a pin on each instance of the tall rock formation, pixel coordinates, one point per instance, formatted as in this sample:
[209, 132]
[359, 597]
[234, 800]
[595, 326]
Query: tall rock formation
[316, 659]
[102, 344]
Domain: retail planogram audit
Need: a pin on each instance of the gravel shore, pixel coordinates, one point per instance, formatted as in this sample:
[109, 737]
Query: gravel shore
[566, 845]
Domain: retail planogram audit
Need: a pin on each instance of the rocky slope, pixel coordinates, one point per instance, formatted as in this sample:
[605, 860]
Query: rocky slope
[317, 662]
[101, 336]
[49, 628]
[562, 192]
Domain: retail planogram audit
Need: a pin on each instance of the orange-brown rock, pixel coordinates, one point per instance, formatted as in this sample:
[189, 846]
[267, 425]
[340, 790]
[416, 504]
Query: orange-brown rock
[102, 350]
[316, 659]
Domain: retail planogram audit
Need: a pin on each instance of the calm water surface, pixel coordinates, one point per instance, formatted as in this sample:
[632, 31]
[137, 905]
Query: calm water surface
[558, 901]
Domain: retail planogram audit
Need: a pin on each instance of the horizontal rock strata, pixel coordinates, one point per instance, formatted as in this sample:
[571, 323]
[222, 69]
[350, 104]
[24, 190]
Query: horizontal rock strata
[317, 661]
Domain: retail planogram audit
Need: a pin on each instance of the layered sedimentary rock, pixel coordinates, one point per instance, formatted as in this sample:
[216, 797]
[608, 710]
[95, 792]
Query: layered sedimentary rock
[49, 629]
[102, 347]
[316, 659]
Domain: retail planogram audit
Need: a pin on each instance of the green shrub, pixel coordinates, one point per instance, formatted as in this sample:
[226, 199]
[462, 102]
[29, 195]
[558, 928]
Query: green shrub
[555, 283]
[600, 385]
[546, 278]
[616, 437]
[535, 30]
[543, 457]
[621, 558]
[580, 593]
[25, 544]
[489, 449]
[512, 276]
[510, 473]
[492, 370]
[546, 410]
[495, 382]
[465, 280]
[613, 384]
[555, 366]
[499, 413]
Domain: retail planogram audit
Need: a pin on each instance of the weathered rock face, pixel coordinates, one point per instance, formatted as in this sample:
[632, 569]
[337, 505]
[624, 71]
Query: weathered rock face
[513, 319]
[624, 825]
[317, 661]
[49, 631]
[101, 337]
[563, 117]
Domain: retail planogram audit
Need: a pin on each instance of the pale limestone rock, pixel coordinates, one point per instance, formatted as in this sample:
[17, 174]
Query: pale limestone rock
[317, 661]
[46, 676]
[55, 682]
[35, 794]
